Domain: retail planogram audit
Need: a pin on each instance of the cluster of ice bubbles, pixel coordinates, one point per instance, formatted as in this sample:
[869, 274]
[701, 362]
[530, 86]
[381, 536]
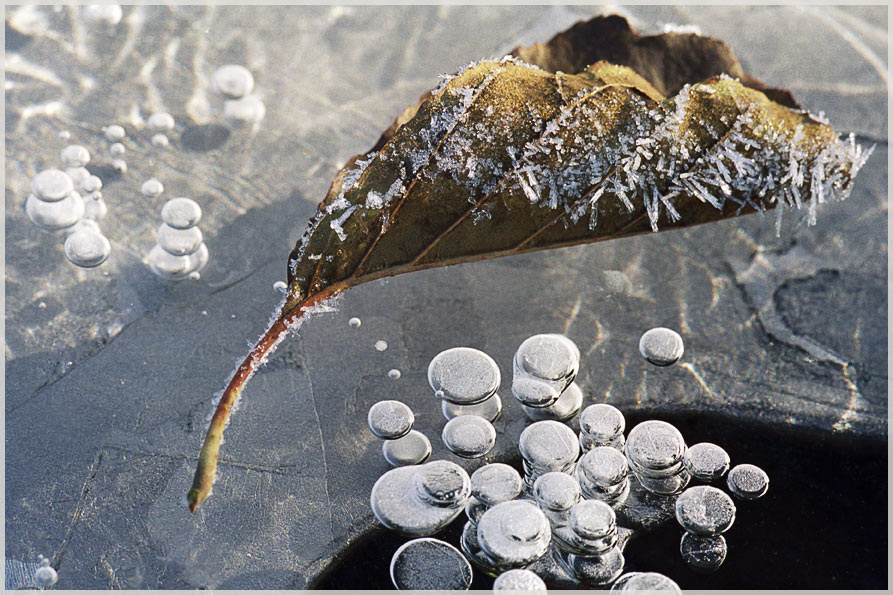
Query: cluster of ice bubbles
[241, 106]
[181, 251]
[45, 576]
[566, 518]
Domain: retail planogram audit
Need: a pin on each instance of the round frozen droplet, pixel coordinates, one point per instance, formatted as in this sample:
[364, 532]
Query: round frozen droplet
[198, 260]
[514, 533]
[602, 422]
[666, 486]
[181, 213]
[705, 510]
[394, 374]
[166, 265]
[747, 482]
[645, 581]
[703, 552]
[160, 140]
[603, 467]
[592, 519]
[390, 419]
[661, 346]
[152, 188]
[94, 207]
[556, 491]
[443, 483]
[280, 286]
[655, 444]
[464, 375]
[533, 392]
[87, 248]
[91, 184]
[120, 165]
[411, 449]
[495, 483]
[45, 577]
[518, 579]
[706, 461]
[64, 135]
[427, 563]
[232, 80]
[354, 322]
[179, 242]
[551, 357]
[489, 409]
[247, 110]
[55, 215]
[161, 122]
[381, 345]
[109, 14]
[597, 570]
[474, 509]
[469, 436]
[75, 156]
[396, 504]
[117, 149]
[565, 407]
[549, 445]
[51, 185]
[77, 175]
[114, 132]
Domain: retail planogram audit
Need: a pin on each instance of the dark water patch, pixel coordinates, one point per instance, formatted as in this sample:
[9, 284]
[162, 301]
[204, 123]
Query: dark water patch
[206, 137]
[16, 40]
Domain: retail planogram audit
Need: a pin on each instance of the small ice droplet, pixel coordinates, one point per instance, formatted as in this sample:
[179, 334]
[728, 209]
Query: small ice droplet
[247, 110]
[464, 375]
[55, 215]
[598, 570]
[91, 184]
[593, 525]
[75, 156]
[655, 445]
[556, 492]
[161, 122]
[45, 577]
[661, 346]
[152, 188]
[117, 149]
[51, 185]
[705, 510]
[381, 345]
[600, 423]
[427, 563]
[181, 213]
[442, 483]
[160, 140]
[114, 132]
[495, 483]
[645, 581]
[179, 242]
[548, 446]
[489, 409]
[109, 14]
[280, 286]
[390, 420]
[747, 482]
[77, 174]
[602, 467]
[232, 80]
[706, 461]
[518, 579]
[533, 392]
[703, 552]
[565, 406]
[396, 501]
[552, 358]
[411, 449]
[94, 207]
[354, 322]
[469, 436]
[394, 374]
[64, 135]
[87, 248]
[120, 165]
[514, 533]
[166, 265]
[194, 276]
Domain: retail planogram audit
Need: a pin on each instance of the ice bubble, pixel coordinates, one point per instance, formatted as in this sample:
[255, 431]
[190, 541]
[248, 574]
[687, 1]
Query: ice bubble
[396, 504]
[472, 549]
[114, 133]
[64, 135]
[550, 357]
[280, 286]
[533, 392]
[77, 174]
[161, 122]
[703, 552]
[168, 266]
[556, 493]
[94, 207]
[601, 468]
[87, 248]
[120, 165]
[645, 581]
[91, 184]
[152, 188]
[198, 260]
[160, 140]
[463, 375]
[232, 80]
[565, 407]
[179, 242]
[75, 156]
[55, 215]
[45, 577]
[427, 563]
[109, 14]
[705, 510]
[411, 449]
[518, 579]
[117, 149]
[666, 486]
[489, 409]
[599, 424]
[514, 533]
[495, 483]
[354, 322]
[390, 419]
[194, 276]
[596, 570]
[706, 461]
[394, 374]
[593, 525]
[548, 446]
[181, 213]
[442, 483]
[747, 482]
[381, 345]
[661, 346]
[474, 509]
[247, 110]
[655, 445]
[469, 436]
[51, 185]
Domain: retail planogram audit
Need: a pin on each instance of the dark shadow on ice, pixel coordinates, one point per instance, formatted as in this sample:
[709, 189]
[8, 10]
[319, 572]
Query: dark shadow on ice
[204, 138]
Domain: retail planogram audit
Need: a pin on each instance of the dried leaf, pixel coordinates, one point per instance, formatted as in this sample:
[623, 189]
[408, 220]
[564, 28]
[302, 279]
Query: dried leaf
[507, 157]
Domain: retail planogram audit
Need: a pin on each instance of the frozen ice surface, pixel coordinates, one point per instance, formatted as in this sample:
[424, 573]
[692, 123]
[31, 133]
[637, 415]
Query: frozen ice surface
[565, 406]
[518, 579]
[514, 533]
[51, 185]
[233, 80]
[427, 563]
[747, 482]
[87, 248]
[661, 346]
[411, 449]
[181, 213]
[463, 375]
[703, 552]
[398, 505]
[469, 436]
[390, 419]
[705, 510]
[706, 461]
[645, 581]
[489, 409]
[495, 483]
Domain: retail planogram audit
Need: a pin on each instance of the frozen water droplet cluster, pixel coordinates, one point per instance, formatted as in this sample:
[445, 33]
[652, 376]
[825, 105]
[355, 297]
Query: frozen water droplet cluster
[45, 576]
[180, 251]
[655, 450]
[392, 421]
[602, 425]
[236, 83]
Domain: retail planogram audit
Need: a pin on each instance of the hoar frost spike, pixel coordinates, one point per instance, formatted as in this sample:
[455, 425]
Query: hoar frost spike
[516, 155]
